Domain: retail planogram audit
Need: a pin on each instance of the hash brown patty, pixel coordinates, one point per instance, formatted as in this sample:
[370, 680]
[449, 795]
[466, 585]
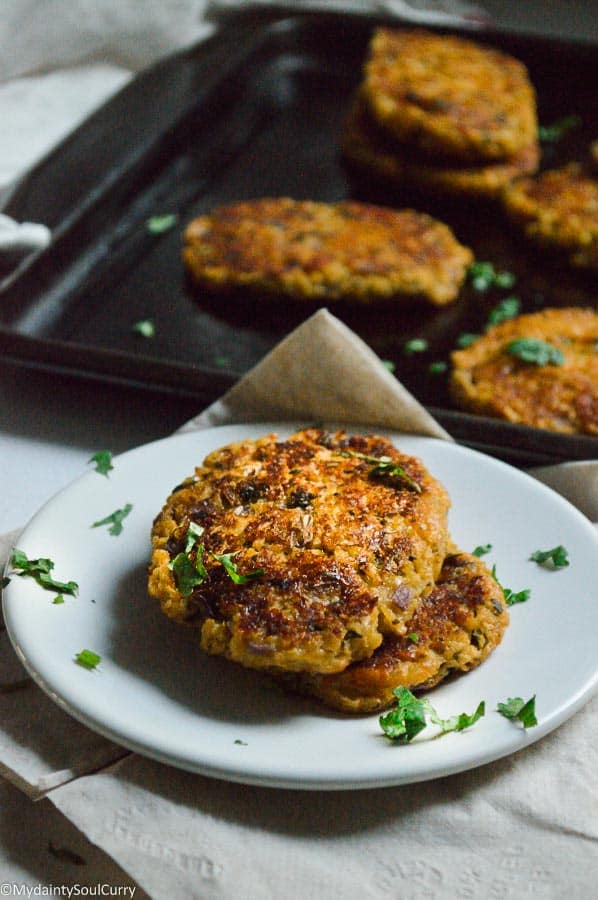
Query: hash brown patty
[487, 379]
[559, 209]
[344, 546]
[448, 96]
[325, 251]
[365, 146]
[458, 624]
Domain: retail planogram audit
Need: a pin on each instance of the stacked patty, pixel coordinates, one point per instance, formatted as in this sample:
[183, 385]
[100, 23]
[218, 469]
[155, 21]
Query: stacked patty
[312, 250]
[442, 113]
[309, 556]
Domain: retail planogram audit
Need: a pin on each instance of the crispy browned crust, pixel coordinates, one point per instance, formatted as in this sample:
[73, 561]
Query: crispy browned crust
[346, 554]
[487, 380]
[448, 96]
[559, 208]
[319, 251]
[455, 628]
[365, 145]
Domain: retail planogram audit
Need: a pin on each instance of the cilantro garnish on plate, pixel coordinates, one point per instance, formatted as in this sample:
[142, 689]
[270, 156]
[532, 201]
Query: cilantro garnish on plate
[103, 461]
[88, 659]
[384, 465]
[550, 134]
[40, 569]
[145, 328]
[505, 310]
[482, 550]
[189, 573]
[483, 275]
[512, 597]
[115, 520]
[557, 558]
[408, 717]
[160, 224]
[522, 710]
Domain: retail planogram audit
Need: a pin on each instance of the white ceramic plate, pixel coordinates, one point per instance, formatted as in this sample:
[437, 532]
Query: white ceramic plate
[156, 693]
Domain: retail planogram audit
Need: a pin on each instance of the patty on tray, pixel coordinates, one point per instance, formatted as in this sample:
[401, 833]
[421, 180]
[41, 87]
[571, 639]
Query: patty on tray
[538, 369]
[559, 209]
[300, 554]
[448, 96]
[366, 146]
[457, 625]
[325, 251]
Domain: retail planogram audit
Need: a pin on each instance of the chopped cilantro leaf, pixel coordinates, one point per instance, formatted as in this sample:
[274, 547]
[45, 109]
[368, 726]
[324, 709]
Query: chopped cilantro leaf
[483, 275]
[145, 328]
[482, 549]
[408, 718]
[115, 520]
[194, 532]
[533, 350]
[188, 574]
[549, 134]
[413, 637]
[466, 340]
[160, 224]
[242, 743]
[506, 309]
[512, 597]
[558, 557]
[231, 569]
[58, 599]
[437, 367]
[40, 569]
[388, 364]
[415, 345]
[523, 710]
[87, 658]
[384, 466]
[103, 461]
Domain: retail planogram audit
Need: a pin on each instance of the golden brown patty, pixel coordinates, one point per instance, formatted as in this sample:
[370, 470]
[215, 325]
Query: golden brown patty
[346, 544]
[559, 208]
[365, 146]
[487, 379]
[341, 251]
[448, 96]
[456, 627]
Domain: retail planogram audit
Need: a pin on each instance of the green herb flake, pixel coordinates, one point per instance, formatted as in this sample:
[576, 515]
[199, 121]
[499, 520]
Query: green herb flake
[222, 362]
[438, 367]
[240, 742]
[466, 340]
[231, 569]
[384, 466]
[146, 328]
[550, 134]
[512, 597]
[533, 350]
[40, 569]
[388, 364]
[482, 550]
[523, 710]
[187, 574]
[415, 345]
[103, 461]
[408, 718]
[115, 520]
[413, 637]
[160, 224]
[483, 275]
[87, 659]
[58, 599]
[557, 558]
[505, 310]
[194, 532]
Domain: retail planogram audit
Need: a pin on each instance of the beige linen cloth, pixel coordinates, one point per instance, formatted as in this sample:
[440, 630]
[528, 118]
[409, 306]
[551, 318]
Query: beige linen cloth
[524, 826]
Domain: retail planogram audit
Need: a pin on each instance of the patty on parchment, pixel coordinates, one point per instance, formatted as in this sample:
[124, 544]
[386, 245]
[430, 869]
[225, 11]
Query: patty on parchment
[366, 146]
[336, 538]
[448, 96]
[489, 378]
[559, 209]
[457, 625]
[311, 250]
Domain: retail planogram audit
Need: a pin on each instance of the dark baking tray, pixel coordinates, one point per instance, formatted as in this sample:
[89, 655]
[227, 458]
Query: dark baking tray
[256, 111]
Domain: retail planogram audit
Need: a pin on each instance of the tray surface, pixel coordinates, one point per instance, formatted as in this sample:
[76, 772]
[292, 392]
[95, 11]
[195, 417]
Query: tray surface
[257, 111]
